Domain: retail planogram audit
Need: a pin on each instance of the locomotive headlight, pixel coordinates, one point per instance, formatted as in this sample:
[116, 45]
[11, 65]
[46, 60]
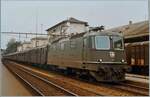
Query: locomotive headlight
[99, 60]
[123, 60]
[112, 54]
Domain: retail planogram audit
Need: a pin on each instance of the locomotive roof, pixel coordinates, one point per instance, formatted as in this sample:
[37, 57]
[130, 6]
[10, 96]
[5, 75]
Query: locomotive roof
[137, 43]
[25, 50]
[85, 34]
[103, 33]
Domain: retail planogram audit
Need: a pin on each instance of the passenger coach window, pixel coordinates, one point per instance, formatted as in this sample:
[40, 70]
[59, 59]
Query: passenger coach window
[102, 42]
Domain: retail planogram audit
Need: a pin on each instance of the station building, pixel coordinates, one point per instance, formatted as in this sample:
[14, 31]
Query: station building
[39, 41]
[35, 42]
[26, 45]
[134, 32]
[136, 38]
[66, 27]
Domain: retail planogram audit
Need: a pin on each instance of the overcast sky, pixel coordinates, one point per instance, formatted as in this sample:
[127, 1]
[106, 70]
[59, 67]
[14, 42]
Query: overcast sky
[20, 16]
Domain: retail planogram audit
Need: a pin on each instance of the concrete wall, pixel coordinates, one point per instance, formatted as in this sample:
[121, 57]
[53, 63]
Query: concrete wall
[75, 28]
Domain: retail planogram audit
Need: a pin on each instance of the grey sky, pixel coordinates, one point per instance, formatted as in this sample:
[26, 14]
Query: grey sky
[20, 16]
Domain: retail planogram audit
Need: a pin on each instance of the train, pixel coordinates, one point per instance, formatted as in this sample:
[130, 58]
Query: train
[138, 57]
[100, 55]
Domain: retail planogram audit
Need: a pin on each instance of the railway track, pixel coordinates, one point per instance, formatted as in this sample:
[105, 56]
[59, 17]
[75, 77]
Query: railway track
[42, 86]
[137, 84]
[139, 87]
[137, 76]
[83, 88]
[139, 90]
[130, 87]
[38, 87]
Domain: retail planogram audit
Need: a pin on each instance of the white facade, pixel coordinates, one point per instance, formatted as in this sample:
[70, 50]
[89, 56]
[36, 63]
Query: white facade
[35, 42]
[76, 28]
[20, 48]
[24, 46]
[39, 41]
[64, 29]
[67, 27]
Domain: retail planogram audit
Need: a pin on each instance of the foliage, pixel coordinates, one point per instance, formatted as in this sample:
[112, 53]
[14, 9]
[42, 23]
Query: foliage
[12, 46]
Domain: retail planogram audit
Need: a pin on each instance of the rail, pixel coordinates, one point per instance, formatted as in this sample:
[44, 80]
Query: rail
[78, 86]
[27, 76]
[137, 76]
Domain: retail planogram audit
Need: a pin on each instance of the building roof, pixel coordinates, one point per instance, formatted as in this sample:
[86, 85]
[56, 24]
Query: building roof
[71, 20]
[39, 38]
[133, 29]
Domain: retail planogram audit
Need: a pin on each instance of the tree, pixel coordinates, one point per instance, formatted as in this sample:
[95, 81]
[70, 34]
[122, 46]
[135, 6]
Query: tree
[12, 46]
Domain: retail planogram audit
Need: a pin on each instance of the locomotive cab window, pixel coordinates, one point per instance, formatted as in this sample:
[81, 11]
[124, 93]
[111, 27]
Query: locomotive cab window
[117, 42]
[102, 42]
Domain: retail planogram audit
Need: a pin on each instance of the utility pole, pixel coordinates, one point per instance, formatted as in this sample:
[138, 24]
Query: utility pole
[19, 36]
[36, 27]
[41, 28]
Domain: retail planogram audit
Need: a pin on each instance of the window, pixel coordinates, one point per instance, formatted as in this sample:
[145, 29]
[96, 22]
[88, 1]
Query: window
[54, 30]
[37, 43]
[102, 42]
[117, 42]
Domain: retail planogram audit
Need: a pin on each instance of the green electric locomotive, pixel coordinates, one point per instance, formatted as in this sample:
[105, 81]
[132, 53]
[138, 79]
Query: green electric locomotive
[97, 54]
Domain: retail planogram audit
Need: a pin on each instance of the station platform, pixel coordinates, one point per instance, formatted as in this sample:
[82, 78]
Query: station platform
[10, 85]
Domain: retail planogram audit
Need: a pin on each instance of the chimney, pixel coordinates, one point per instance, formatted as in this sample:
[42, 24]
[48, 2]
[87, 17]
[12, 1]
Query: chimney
[130, 22]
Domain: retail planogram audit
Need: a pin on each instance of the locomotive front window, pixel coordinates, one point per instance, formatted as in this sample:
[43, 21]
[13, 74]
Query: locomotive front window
[117, 42]
[102, 42]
